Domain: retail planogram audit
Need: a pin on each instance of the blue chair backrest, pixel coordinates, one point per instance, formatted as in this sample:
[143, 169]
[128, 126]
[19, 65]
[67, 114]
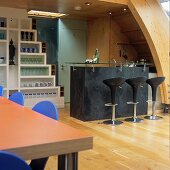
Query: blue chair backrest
[18, 98]
[1, 90]
[46, 108]
[9, 161]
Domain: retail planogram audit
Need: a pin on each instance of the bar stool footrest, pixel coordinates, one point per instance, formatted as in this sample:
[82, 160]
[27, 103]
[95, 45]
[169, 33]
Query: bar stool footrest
[151, 117]
[132, 103]
[134, 120]
[113, 123]
[110, 104]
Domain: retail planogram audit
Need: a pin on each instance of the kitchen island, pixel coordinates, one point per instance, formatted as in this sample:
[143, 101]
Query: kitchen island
[88, 93]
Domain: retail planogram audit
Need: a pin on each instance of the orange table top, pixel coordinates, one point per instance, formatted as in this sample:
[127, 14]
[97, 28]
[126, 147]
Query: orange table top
[32, 135]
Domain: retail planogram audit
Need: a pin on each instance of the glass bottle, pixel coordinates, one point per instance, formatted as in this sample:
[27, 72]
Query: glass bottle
[97, 55]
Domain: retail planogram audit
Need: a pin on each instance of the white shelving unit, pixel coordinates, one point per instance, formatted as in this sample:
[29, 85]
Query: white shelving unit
[30, 74]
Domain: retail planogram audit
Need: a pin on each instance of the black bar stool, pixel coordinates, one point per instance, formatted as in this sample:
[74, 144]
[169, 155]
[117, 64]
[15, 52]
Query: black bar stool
[113, 84]
[154, 83]
[136, 84]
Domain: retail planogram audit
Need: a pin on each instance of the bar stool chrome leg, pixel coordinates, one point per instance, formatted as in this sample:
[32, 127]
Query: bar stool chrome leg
[134, 119]
[113, 121]
[153, 116]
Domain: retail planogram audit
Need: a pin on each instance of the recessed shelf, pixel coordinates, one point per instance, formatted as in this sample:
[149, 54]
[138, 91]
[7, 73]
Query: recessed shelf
[3, 28]
[127, 31]
[22, 77]
[13, 29]
[3, 41]
[15, 88]
[34, 65]
[30, 42]
[35, 88]
[32, 53]
[3, 65]
[132, 43]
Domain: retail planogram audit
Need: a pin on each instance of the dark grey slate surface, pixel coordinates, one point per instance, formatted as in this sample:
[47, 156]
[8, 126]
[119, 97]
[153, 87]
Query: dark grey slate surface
[88, 93]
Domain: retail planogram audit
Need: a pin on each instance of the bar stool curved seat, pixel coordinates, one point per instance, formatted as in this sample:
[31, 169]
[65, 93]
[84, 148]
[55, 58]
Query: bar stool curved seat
[113, 84]
[154, 83]
[136, 84]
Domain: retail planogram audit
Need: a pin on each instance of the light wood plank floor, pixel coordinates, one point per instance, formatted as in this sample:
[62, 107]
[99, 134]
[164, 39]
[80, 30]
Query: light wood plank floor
[141, 146]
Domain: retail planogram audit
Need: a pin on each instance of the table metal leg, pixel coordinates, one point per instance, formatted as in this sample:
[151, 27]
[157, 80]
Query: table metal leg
[68, 161]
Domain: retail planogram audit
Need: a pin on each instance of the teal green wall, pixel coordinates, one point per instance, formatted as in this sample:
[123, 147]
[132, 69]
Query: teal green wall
[47, 31]
[72, 44]
[65, 41]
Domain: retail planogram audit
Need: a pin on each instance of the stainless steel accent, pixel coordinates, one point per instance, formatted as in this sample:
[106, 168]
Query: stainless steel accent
[62, 66]
[121, 67]
[74, 69]
[135, 107]
[153, 116]
[144, 67]
[113, 112]
[113, 121]
[134, 119]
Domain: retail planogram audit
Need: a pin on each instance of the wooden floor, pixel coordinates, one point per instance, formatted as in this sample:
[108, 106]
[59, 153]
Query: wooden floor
[141, 146]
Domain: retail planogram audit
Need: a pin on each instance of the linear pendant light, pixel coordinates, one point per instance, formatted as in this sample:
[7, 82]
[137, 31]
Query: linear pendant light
[45, 14]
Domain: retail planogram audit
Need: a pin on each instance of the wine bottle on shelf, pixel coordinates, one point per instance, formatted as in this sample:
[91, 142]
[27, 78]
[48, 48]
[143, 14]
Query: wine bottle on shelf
[97, 55]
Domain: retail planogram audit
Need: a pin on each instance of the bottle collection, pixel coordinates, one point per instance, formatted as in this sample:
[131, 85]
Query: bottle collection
[37, 84]
[40, 95]
[29, 71]
[27, 36]
[33, 60]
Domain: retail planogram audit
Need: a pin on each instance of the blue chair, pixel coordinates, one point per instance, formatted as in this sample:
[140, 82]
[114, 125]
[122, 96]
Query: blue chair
[9, 161]
[1, 90]
[18, 98]
[46, 108]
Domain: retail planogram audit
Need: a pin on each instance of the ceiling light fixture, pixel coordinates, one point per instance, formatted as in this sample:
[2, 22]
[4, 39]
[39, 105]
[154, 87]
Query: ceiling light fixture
[88, 3]
[45, 14]
[124, 9]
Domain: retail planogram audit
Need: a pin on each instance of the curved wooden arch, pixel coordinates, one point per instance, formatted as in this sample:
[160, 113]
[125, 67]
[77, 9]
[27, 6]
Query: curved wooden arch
[154, 24]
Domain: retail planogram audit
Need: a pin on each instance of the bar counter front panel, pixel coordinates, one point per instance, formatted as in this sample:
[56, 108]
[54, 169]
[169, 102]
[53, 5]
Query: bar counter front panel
[88, 93]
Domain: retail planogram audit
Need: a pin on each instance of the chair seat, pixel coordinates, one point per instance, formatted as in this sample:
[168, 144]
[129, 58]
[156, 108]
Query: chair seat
[114, 81]
[156, 81]
[1, 90]
[9, 161]
[134, 82]
[18, 98]
[48, 109]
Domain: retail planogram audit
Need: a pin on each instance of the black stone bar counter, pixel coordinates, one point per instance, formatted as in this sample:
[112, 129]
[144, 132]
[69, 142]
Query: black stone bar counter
[88, 93]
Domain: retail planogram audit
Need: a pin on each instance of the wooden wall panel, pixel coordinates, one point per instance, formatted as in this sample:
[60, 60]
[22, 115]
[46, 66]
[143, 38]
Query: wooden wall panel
[98, 37]
[104, 34]
[118, 37]
[155, 25]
